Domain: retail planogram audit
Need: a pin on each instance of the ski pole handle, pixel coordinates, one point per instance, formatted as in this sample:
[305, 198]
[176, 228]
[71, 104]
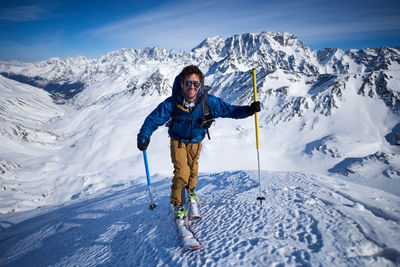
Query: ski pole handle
[256, 113]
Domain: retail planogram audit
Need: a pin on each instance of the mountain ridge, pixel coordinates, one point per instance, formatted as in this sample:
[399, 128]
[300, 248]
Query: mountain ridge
[284, 50]
[327, 111]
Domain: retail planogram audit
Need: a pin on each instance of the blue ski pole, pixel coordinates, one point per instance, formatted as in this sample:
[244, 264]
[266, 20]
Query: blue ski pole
[152, 205]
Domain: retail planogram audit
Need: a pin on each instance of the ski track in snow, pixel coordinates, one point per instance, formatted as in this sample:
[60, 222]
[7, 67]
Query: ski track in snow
[304, 221]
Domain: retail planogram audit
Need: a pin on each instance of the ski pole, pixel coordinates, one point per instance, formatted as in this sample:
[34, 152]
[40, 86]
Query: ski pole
[152, 205]
[260, 197]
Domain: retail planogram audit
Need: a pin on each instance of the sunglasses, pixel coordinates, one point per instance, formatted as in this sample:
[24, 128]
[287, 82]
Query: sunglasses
[189, 84]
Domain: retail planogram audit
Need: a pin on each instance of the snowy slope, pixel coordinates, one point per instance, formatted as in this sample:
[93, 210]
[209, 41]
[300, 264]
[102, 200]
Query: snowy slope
[329, 129]
[305, 220]
[24, 113]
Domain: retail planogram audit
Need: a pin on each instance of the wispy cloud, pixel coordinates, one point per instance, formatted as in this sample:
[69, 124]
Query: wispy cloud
[25, 13]
[174, 27]
[182, 26]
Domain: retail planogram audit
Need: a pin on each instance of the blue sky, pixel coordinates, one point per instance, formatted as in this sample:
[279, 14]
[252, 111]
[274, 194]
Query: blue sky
[35, 30]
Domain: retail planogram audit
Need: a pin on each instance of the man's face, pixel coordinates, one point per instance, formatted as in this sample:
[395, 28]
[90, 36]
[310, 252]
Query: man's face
[190, 92]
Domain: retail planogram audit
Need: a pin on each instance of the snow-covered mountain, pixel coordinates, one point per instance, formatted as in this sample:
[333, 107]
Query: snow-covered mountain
[24, 110]
[329, 137]
[345, 104]
[338, 110]
[267, 52]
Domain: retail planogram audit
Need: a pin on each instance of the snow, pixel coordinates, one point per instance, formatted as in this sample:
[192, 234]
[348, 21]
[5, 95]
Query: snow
[305, 220]
[74, 191]
[101, 215]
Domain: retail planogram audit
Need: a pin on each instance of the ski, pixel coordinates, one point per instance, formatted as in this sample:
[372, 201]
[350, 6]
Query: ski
[193, 206]
[189, 242]
[193, 209]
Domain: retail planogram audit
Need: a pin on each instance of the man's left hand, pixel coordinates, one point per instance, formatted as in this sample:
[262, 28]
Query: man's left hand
[254, 107]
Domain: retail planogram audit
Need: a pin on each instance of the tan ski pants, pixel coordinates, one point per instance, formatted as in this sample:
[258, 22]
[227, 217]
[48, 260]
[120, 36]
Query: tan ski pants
[185, 158]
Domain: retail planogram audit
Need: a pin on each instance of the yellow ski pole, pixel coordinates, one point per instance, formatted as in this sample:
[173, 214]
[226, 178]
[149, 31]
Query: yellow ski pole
[260, 197]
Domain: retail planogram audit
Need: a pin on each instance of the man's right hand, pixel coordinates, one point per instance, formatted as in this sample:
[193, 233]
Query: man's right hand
[142, 143]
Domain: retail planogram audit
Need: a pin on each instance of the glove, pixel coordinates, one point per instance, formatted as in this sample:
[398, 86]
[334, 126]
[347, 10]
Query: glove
[207, 121]
[253, 108]
[142, 142]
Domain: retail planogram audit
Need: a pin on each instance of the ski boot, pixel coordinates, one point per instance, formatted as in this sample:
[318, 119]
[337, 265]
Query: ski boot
[179, 211]
[193, 204]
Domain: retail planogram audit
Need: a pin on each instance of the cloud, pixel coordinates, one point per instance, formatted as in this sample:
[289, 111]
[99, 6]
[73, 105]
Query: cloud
[181, 16]
[184, 25]
[25, 13]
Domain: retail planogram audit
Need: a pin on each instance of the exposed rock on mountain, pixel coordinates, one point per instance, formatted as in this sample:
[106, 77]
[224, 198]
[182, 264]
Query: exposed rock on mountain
[329, 111]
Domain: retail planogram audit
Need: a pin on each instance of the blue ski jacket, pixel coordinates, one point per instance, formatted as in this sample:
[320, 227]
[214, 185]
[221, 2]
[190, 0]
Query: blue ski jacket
[186, 125]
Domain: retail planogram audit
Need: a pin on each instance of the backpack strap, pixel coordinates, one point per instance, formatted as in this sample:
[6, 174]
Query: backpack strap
[206, 109]
[174, 114]
[204, 102]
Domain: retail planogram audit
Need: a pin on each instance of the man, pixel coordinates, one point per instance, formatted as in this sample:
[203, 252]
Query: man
[188, 124]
